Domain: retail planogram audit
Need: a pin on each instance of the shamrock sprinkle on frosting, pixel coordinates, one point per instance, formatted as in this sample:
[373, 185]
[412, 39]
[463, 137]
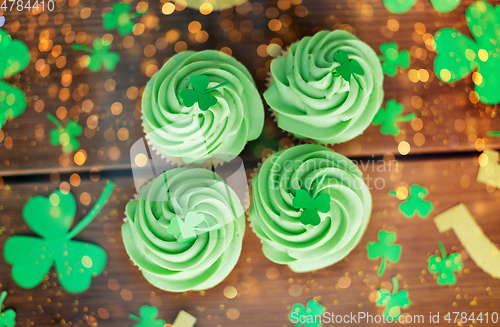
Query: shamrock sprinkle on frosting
[347, 68]
[200, 93]
[445, 266]
[120, 18]
[99, 55]
[186, 228]
[393, 302]
[147, 317]
[65, 136]
[311, 206]
[385, 249]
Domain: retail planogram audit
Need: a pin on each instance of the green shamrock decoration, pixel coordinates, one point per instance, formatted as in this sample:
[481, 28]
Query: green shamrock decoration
[99, 56]
[402, 6]
[120, 18]
[388, 118]
[348, 68]
[392, 58]
[14, 57]
[186, 228]
[311, 206]
[32, 257]
[445, 266]
[8, 317]
[200, 93]
[385, 249]
[306, 315]
[65, 136]
[415, 203]
[458, 55]
[148, 317]
[394, 302]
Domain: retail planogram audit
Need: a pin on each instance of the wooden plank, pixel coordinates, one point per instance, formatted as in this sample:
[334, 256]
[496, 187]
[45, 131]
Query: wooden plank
[449, 121]
[264, 289]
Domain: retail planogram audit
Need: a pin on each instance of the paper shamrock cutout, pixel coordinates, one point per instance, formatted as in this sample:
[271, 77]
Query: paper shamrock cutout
[8, 317]
[2, 20]
[445, 266]
[120, 18]
[306, 316]
[186, 228]
[415, 202]
[65, 136]
[393, 302]
[385, 248]
[200, 93]
[388, 118]
[99, 56]
[14, 57]
[458, 55]
[148, 317]
[348, 68]
[51, 218]
[311, 206]
[402, 6]
[392, 58]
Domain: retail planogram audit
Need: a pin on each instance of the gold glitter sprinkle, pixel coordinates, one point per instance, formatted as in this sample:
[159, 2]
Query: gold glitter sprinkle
[233, 314]
[295, 290]
[103, 313]
[272, 273]
[80, 157]
[230, 292]
[344, 282]
[126, 294]
[206, 8]
[141, 160]
[85, 198]
[113, 285]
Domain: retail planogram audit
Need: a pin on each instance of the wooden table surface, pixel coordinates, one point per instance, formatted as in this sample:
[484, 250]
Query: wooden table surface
[453, 128]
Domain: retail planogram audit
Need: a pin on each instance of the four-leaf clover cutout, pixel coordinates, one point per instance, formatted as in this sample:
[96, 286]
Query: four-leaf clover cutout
[120, 18]
[415, 203]
[392, 58]
[65, 136]
[186, 229]
[393, 302]
[385, 249]
[458, 55]
[388, 118]
[347, 68]
[148, 317]
[445, 266]
[306, 316]
[8, 317]
[51, 218]
[99, 55]
[14, 57]
[200, 93]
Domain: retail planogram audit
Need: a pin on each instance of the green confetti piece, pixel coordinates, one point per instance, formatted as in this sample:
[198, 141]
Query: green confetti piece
[200, 93]
[51, 218]
[347, 68]
[385, 248]
[391, 58]
[458, 55]
[8, 317]
[388, 118]
[445, 266]
[147, 317]
[187, 229]
[99, 55]
[393, 302]
[65, 135]
[415, 203]
[305, 316]
[121, 18]
[444, 6]
[402, 6]
[14, 57]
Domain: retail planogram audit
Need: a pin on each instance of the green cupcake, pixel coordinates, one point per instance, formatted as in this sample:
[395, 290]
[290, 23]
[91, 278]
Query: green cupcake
[310, 96]
[185, 230]
[201, 105]
[310, 207]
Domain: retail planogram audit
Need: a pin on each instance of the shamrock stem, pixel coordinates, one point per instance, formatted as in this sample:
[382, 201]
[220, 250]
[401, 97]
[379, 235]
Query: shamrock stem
[93, 212]
[392, 192]
[134, 317]
[82, 48]
[360, 86]
[2, 298]
[138, 14]
[395, 285]
[208, 229]
[319, 184]
[443, 250]
[496, 133]
[56, 121]
[382, 266]
[217, 86]
[408, 117]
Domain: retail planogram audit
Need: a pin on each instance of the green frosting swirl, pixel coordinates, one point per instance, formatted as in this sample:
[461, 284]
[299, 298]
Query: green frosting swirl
[193, 134]
[276, 221]
[311, 102]
[196, 265]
